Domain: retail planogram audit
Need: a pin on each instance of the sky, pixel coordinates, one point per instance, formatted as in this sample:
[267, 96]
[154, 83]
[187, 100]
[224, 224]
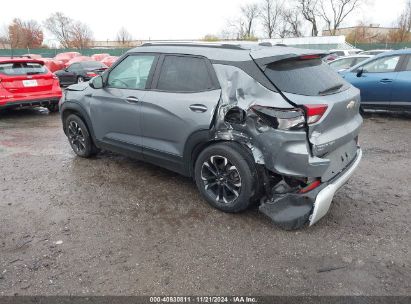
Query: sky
[165, 19]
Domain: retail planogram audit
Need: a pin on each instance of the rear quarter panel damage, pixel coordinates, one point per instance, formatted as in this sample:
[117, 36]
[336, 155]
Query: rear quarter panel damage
[282, 152]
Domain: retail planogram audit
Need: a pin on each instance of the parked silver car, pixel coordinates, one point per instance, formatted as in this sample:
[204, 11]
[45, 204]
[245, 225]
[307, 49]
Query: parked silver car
[251, 124]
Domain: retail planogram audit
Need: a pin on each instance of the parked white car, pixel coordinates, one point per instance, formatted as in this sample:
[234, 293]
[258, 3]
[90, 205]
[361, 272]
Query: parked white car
[348, 52]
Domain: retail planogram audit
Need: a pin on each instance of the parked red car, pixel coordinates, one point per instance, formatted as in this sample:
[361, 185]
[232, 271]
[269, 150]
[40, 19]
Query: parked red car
[27, 82]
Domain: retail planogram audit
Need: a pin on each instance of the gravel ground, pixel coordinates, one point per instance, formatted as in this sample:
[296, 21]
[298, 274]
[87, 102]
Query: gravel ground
[115, 226]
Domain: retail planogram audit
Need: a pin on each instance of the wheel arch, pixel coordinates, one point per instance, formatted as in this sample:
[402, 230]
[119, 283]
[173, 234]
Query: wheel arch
[69, 108]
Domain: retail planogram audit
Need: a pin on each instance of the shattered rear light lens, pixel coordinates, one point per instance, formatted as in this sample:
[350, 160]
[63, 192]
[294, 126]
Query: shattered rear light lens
[311, 186]
[315, 112]
[283, 119]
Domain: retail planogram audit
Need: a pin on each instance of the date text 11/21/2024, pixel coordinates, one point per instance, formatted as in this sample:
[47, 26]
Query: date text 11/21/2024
[204, 299]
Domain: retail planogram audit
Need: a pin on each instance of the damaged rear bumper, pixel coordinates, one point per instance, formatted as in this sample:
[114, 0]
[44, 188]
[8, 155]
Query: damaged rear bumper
[325, 196]
[294, 210]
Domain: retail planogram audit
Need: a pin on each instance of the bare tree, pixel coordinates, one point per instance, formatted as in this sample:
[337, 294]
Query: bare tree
[70, 33]
[250, 13]
[309, 11]
[60, 26]
[404, 25]
[334, 12]
[24, 34]
[5, 41]
[291, 23]
[270, 14]
[235, 29]
[124, 37]
[80, 35]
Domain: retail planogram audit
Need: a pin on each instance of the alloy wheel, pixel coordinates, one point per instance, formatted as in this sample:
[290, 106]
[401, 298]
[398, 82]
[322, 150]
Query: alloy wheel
[221, 179]
[80, 80]
[76, 137]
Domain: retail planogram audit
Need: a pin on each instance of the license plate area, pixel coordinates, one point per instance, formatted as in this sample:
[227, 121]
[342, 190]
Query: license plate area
[29, 83]
[339, 159]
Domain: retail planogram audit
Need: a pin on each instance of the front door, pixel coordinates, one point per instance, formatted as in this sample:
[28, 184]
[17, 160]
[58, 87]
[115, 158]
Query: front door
[116, 107]
[377, 80]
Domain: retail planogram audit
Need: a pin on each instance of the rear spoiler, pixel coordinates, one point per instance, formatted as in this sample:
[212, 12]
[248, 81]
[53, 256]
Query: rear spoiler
[265, 56]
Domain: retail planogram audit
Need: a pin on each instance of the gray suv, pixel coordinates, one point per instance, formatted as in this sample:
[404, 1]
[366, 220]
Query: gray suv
[252, 124]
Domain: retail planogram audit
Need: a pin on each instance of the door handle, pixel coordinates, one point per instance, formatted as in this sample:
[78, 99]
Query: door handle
[132, 99]
[386, 80]
[198, 108]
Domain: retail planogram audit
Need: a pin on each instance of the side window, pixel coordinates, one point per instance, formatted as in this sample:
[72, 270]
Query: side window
[131, 73]
[184, 74]
[382, 65]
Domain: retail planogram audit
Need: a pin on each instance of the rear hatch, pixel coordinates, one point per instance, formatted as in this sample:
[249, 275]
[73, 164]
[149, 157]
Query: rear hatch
[305, 80]
[21, 78]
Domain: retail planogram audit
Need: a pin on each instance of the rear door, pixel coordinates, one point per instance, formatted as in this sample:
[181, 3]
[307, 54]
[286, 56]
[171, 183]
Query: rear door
[183, 100]
[401, 91]
[116, 108]
[25, 79]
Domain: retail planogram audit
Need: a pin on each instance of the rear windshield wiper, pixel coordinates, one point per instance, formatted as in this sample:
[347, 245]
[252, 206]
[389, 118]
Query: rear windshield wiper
[331, 89]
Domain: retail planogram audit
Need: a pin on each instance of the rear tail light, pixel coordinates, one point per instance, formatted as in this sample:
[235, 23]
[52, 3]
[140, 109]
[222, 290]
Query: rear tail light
[283, 119]
[309, 57]
[91, 74]
[315, 112]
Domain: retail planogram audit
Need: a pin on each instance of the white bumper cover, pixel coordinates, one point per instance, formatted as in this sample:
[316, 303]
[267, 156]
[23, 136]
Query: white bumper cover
[325, 196]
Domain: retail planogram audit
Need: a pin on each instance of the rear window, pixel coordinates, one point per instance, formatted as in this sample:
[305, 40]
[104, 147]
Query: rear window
[22, 68]
[311, 77]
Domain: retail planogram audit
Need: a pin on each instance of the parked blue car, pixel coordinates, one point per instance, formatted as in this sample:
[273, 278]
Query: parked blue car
[384, 81]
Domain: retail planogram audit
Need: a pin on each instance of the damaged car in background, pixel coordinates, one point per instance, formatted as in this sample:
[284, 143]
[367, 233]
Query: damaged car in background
[252, 124]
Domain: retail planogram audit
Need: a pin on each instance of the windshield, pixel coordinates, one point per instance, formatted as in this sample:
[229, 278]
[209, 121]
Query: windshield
[311, 77]
[22, 68]
[93, 65]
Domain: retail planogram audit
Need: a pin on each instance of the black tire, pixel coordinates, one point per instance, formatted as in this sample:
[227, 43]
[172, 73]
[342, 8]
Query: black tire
[239, 170]
[53, 108]
[80, 79]
[79, 137]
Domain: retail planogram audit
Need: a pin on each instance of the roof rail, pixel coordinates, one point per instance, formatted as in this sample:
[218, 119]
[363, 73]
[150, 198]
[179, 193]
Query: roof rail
[220, 46]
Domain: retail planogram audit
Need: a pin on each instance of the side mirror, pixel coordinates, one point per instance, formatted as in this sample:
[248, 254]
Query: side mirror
[360, 71]
[96, 82]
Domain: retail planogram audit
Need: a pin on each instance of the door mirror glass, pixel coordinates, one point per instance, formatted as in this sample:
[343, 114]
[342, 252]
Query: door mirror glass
[96, 82]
